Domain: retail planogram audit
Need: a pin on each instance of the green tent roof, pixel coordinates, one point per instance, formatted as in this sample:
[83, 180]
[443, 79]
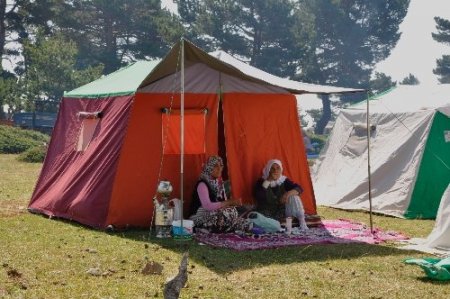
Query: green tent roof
[124, 81]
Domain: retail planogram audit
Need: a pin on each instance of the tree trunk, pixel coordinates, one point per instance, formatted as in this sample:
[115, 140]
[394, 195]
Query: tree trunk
[111, 61]
[257, 41]
[326, 114]
[2, 30]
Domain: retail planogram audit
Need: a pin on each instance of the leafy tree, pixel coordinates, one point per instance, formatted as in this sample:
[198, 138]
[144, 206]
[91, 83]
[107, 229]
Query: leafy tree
[7, 15]
[11, 96]
[443, 36]
[410, 80]
[2, 27]
[108, 32]
[381, 82]
[18, 18]
[64, 43]
[113, 32]
[50, 69]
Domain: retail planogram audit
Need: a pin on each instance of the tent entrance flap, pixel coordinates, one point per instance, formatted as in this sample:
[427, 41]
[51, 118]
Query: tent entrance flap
[194, 131]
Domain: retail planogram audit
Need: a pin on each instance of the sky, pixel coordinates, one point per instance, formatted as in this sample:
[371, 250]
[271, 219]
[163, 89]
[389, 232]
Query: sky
[416, 52]
[169, 5]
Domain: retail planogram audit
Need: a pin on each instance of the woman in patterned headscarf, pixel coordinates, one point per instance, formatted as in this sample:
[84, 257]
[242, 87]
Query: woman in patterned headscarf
[277, 196]
[212, 210]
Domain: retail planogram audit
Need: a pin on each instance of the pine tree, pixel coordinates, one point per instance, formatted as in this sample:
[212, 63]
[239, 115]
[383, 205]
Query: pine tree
[381, 83]
[442, 69]
[351, 37]
[267, 33]
[410, 80]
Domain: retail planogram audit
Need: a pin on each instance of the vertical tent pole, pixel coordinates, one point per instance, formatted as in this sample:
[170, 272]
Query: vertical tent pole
[368, 163]
[182, 133]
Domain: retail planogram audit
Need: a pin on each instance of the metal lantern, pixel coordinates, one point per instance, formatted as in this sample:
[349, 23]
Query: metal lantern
[163, 213]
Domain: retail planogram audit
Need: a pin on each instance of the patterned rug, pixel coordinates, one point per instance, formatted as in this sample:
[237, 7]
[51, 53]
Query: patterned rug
[339, 231]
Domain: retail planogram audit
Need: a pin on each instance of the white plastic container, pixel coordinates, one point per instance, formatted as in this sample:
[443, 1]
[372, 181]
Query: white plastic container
[188, 226]
[177, 208]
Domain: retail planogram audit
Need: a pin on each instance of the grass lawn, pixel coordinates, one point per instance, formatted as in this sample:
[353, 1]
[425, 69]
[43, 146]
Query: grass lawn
[43, 258]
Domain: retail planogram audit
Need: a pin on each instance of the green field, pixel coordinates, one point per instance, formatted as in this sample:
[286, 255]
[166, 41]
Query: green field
[43, 258]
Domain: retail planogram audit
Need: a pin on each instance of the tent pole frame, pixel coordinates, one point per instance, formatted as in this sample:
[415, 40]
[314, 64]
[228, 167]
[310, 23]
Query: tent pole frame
[182, 133]
[368, 164]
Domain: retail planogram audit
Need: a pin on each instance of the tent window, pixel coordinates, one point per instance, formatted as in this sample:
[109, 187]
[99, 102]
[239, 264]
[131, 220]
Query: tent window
[194, 131]
[360, 130]
[357, 142]
[89, 124]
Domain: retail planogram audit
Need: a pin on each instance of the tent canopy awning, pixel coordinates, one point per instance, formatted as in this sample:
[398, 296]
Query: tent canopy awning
[227, 64]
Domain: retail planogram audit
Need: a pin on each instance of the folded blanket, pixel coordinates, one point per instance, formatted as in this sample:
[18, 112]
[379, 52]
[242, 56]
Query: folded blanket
[269, 225]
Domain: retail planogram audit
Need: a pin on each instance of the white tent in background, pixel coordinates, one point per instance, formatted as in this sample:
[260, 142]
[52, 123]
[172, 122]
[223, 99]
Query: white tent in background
[409, 154]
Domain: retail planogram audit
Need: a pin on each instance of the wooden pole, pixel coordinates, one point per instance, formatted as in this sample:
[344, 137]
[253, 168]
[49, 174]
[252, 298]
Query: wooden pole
[368, 164]
[182, 134]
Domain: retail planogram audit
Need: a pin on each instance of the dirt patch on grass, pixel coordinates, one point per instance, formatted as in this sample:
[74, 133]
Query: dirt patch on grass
[11, 208]
[16, 278]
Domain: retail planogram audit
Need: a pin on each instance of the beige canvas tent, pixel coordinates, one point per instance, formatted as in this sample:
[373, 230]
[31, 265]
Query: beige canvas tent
[409, 154]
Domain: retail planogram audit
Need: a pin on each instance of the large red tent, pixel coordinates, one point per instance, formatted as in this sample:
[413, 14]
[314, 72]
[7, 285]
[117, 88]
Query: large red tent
[116, 137]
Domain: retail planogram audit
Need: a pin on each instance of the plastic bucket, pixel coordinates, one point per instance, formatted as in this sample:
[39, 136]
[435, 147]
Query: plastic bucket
[187, 229]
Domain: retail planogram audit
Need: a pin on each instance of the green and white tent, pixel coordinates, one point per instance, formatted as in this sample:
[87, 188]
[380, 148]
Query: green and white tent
[409, 154]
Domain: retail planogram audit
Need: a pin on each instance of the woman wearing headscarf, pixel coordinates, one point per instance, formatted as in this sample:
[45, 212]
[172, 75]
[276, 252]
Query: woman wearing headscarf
[211, 208]
[277, 196]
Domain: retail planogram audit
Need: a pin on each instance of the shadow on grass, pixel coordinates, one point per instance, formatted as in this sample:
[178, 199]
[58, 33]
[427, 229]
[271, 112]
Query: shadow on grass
[223, 261]
[436, 282]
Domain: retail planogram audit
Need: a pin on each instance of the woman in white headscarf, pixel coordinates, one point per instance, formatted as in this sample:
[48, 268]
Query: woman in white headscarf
[211, 208]
[277, 196]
